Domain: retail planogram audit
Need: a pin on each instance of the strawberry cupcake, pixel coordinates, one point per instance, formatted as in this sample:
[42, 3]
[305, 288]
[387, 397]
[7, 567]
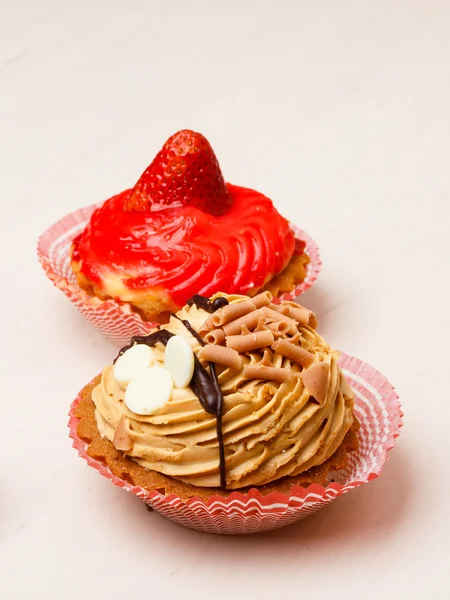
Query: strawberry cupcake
[235, 393]
[183, 231]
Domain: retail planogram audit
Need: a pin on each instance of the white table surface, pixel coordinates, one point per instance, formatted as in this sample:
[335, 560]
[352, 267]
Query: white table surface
[339, 111]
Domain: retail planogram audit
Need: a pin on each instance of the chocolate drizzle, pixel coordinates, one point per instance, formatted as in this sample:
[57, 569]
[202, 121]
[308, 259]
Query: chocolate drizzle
[205, 386]
[217, 398]
[160, 335]
[219, 411]
[191, 330]
[206, 304]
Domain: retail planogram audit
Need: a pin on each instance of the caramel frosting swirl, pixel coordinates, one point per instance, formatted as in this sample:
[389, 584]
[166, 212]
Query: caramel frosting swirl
[271, 428]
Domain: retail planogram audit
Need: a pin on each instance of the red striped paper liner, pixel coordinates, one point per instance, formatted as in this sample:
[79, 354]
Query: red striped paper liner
[116, 321]
[379, 412]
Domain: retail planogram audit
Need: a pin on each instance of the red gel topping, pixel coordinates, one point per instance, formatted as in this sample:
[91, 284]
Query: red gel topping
[186, 251]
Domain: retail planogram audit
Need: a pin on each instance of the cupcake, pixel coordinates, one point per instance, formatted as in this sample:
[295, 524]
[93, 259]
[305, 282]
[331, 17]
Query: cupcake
[234, 393]
[183, 231]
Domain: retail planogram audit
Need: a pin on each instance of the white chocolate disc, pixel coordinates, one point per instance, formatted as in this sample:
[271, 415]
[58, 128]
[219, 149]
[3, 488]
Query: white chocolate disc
[149, 390]
[133, 361]
[179, 360]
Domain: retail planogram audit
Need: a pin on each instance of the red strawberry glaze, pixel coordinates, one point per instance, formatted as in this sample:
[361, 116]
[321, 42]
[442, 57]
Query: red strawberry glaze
[185, 250]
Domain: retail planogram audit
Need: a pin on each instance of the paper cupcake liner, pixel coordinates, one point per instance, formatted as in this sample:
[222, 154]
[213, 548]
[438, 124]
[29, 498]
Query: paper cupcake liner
[379, 412]
[117, 322]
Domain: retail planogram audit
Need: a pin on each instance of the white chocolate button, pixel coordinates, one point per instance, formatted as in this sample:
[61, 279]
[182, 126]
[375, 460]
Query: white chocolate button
[133, 361]
[179, 360]
[149, 390]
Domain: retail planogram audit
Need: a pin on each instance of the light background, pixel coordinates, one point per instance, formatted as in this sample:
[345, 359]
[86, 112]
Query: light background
[339, 111]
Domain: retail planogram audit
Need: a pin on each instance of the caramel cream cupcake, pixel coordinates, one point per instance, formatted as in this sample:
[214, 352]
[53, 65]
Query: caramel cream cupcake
[233, 392]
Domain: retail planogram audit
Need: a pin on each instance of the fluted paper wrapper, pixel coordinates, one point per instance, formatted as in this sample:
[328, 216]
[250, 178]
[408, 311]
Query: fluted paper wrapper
[379, 413]
[117, 321]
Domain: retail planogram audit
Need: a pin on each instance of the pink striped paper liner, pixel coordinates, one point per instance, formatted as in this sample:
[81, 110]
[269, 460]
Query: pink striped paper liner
[116, 321]
[379, 412]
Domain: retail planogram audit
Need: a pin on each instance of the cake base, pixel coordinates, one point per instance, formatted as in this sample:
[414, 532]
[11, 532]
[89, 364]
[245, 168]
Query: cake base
[156, 305]
[125, 468]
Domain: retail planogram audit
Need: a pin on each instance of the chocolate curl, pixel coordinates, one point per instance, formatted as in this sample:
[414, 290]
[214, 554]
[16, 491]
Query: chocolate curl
[296, 339]
[315, 379]
[282, 308]
[296, 353]
[250, 320]
[275, 315]
[206, 327]
[245, 330]
[262, 325]
[267, 359]
[279, 375]
[122, 440]
[303, 316]
[251, 341]
[216, 336]
[231, 312]
[262, 299]
[278, 327]
[220, 355]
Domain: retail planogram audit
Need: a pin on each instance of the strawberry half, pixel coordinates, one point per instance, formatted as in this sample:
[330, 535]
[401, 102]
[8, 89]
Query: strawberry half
[185, 172]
